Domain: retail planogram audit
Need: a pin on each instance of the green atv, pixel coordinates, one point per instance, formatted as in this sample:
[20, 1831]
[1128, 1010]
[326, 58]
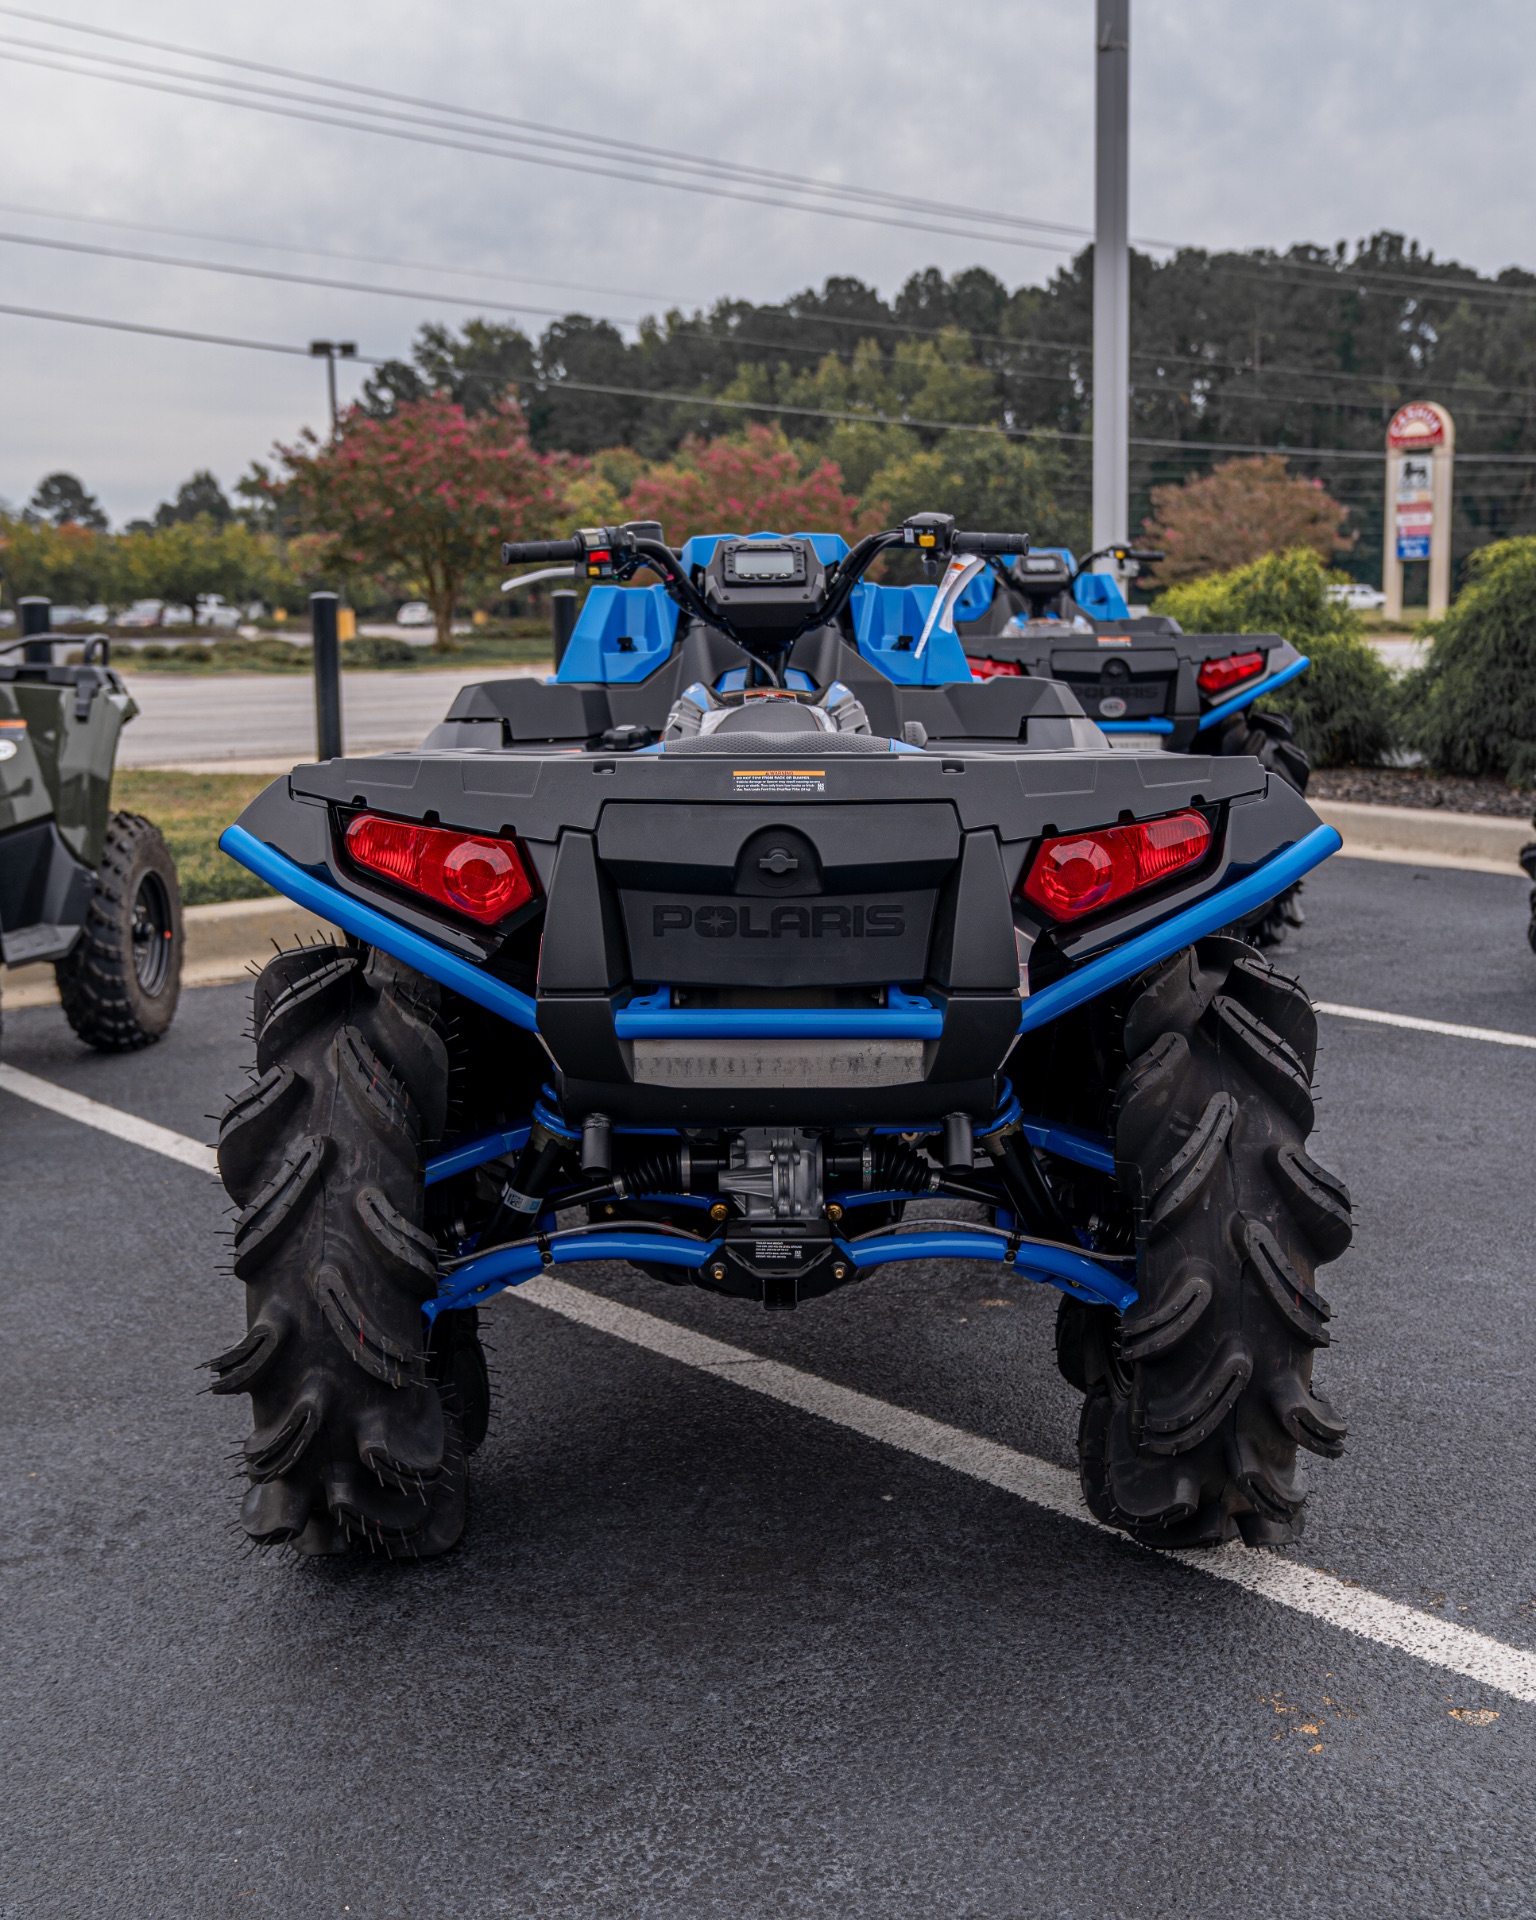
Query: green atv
[92, 890]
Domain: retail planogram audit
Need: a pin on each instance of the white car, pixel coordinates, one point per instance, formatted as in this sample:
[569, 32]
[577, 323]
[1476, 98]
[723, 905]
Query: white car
[214, 611]
[172, 615]
[68, 616]
[143, 613]
[98, 616]
[415, 613]
[1356, 594]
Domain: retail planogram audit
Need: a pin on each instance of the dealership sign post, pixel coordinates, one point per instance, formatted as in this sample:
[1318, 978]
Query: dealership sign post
[1421, 444]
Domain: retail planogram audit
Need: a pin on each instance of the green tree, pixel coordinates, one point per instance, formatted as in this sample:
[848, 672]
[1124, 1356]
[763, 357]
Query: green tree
[1345, 705]
[200, 498]
[69, 563]
[61, 500]
[1472, 706]
[987, 482]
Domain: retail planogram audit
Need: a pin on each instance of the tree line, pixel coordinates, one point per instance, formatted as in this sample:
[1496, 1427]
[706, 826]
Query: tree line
[1310, 350]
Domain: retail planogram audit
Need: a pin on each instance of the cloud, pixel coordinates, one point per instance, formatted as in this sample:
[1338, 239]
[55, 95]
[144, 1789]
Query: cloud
[1322, 120]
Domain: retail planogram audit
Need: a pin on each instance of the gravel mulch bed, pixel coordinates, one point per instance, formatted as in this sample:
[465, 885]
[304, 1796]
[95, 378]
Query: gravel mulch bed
[1417, 787]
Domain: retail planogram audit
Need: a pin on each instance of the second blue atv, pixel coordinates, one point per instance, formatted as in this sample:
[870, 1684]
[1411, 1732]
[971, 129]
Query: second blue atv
[1147, 682]
[759, 923]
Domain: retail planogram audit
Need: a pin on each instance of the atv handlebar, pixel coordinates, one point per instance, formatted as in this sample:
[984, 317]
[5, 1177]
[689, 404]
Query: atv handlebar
[515, 552]
[990, 543]
[618, 553]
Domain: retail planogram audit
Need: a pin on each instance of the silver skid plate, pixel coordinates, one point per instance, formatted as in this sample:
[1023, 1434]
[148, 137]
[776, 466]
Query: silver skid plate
[778, 1063]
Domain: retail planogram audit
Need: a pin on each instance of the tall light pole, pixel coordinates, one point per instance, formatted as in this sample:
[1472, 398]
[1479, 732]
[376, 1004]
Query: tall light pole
[1111, 277]
[330, 351]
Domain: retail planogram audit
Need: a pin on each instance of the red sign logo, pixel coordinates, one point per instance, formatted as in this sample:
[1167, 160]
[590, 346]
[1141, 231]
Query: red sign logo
[1416, 425]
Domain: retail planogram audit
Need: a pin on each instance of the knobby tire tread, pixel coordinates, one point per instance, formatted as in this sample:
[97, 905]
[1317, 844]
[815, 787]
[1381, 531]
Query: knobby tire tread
[360, 1426]
[1197, 1401]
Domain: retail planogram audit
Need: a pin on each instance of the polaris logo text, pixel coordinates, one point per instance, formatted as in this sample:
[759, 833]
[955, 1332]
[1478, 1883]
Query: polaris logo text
[811, 921]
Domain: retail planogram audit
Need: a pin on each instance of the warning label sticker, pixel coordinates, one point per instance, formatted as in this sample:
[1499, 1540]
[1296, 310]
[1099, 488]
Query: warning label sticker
[775, 781]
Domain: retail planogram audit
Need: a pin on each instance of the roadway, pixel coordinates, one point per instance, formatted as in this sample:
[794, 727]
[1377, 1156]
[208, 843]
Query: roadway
[707, 1654]
[225, 719]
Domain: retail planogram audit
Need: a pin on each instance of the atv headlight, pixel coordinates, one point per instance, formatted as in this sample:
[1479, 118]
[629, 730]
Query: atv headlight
[469, 873]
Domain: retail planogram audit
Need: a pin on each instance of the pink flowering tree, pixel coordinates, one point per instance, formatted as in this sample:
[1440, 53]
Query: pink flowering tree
[747, 483]
[425, 496]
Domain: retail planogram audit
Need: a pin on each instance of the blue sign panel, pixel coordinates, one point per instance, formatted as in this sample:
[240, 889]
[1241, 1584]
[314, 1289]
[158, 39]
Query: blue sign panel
[1413, 546]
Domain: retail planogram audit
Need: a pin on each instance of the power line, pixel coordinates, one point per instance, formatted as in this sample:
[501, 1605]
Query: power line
[327, 253]
[97, 251]
[568, 138]
[1229, 395]
[233, 95]
[522, 133]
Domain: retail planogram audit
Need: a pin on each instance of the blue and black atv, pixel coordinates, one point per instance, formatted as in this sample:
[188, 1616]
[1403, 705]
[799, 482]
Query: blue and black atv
[760, 921]
[1149, 684]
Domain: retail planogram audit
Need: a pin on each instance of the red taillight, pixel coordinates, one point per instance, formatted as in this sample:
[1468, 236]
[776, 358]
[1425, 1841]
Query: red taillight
[1080, 872]
[1217, 675]
[483, 878]
[984, 669]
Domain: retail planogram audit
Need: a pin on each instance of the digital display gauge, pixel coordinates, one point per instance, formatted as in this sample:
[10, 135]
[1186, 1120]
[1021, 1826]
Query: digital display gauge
[770, 563]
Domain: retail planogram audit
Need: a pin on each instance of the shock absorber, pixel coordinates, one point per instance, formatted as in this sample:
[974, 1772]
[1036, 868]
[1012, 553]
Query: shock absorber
[532, 1177]
[1025, 1183]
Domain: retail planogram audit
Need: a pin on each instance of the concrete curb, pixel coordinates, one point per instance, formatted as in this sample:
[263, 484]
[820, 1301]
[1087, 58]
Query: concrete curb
[1428, 836]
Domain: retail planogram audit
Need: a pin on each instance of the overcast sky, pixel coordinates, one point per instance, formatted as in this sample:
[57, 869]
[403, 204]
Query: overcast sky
[1250, 125]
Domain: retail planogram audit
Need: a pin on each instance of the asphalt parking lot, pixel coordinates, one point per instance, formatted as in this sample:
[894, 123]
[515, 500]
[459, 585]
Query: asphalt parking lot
[705, 1654]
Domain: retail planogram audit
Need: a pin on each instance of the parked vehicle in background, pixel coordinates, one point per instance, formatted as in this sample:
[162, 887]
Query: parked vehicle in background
[1359, 596]
[90, 889]
[70, 616]
[143, 613]
[174, 614]
[1145, 681]
[99, 615]
[415, 613]
[214, 611]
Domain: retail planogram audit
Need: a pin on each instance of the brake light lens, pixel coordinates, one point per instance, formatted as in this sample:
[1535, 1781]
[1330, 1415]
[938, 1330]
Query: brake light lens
[466, 872]
[984, 669]
[1079, 873]
[1217, 675]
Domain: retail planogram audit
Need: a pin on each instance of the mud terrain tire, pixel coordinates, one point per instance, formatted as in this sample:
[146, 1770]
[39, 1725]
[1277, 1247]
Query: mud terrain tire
[1197, 1400]
[357, 1431]
[120, 982]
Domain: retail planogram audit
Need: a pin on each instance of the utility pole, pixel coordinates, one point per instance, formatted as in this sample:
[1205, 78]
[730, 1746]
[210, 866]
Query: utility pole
[1111, 277]
[330, 351]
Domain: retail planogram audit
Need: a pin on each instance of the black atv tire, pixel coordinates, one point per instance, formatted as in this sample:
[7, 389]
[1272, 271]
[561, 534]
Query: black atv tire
[1199, 1397]
[1266, 737]
[358, 1435]
[120, 982]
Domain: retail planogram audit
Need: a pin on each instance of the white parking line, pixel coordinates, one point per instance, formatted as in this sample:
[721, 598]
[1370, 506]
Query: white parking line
[1325, 1596]
[1491, 1034]
[92, 1113]
[1308, 1590]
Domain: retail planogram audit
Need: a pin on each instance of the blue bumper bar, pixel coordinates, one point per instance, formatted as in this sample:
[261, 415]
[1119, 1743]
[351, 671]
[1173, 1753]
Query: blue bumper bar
[367, 923]
[1218, 909]
[1105, 1283]
[910, 1018]
[1240, 700]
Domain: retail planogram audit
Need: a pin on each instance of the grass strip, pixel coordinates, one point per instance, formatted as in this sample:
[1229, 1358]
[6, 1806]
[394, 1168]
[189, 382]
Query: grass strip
[192, 810]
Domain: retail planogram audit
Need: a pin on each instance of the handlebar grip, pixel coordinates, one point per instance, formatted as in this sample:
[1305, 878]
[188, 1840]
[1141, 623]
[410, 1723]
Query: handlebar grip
[990, 543]
[514, 552]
